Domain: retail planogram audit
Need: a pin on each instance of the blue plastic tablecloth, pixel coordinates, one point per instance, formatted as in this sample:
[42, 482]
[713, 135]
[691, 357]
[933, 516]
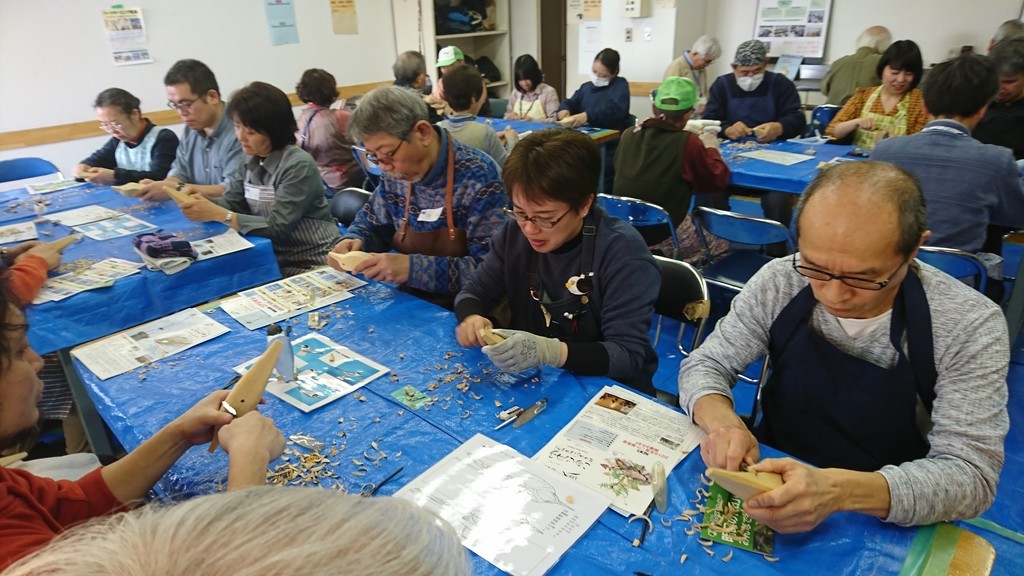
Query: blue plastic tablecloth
[416, 341]
[763, 175]
[140, 297]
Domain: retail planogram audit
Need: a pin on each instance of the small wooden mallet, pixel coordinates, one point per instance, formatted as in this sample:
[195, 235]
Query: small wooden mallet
[245, 396]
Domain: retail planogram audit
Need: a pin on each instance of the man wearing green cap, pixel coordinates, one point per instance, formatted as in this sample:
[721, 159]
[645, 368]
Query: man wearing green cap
[662, 163]
[449, 57]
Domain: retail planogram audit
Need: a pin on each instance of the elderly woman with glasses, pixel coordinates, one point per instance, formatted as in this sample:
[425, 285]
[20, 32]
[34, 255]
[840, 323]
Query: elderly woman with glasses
[277, 191]
[581, 285]
[138, 149]
[429, 222]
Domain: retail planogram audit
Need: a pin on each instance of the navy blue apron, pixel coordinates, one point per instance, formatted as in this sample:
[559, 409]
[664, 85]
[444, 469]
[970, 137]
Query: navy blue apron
[831, 409]
[753, 111]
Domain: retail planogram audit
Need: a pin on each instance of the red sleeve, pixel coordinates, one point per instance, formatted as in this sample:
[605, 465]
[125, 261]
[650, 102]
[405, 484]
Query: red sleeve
[26, 278]
[33, 509]
[704, 168]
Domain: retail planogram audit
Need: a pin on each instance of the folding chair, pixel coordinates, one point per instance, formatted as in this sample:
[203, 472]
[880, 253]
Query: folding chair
[346, 203]
[371, 170]
[821, 117]
[22, 168]
[956, 263]
[684, 297]
[733, 270]
[644, 216]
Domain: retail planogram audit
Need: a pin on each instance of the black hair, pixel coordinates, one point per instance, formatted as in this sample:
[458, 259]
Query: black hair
[526, 68]
[462, 84]
[559, 165]
[123, 100]
[961, 86]
[198, 76]
[902, 55]
[266, 109]
[317, 86]
[609, 58]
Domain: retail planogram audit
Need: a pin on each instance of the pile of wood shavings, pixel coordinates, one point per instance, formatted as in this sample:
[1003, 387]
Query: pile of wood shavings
[75, 265]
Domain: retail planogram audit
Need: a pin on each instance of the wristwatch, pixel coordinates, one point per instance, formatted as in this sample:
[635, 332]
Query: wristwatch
[179, 186]
[229, 218]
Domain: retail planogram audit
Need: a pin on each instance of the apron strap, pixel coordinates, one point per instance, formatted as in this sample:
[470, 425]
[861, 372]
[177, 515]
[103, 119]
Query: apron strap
[920, 347]
[448, 194]
[305, 129]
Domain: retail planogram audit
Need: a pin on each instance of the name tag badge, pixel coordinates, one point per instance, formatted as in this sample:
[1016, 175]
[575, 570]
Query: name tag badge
[259, 193]
[430, 215]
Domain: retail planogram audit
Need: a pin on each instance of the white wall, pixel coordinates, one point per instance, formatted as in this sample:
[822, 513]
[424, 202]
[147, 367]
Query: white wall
[54, 56]
[524, 26]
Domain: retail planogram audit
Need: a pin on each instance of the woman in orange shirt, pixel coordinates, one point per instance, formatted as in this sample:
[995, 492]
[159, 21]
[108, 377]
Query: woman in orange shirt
[896, 108]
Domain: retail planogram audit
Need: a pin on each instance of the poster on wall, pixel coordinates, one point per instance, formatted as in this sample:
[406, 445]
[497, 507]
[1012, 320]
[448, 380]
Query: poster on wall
[343, 17]
[281, 22]
[126, 32]
[590, 45]
[591, 9]
[797, 27]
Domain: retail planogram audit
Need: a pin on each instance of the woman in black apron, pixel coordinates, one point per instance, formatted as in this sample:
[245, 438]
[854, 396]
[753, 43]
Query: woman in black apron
[580, 284]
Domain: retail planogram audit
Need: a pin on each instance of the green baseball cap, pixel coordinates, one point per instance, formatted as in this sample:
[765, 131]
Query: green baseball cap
[450, 55]
[681, 92]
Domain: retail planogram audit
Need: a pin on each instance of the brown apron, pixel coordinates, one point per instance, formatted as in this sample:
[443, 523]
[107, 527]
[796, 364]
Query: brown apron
[450, 241]
[447, 242]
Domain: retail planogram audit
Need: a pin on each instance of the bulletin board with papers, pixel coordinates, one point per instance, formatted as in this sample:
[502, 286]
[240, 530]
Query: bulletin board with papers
[797, 27]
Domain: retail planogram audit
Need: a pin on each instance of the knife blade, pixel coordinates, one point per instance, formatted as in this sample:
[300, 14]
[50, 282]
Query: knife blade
[528, 414]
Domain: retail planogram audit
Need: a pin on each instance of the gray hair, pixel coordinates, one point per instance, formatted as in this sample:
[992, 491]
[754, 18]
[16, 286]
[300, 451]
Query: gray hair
[262, 530]
[387, 110]
[877, 38]
[408, 67]
[708, 47]
[888, 183]
[1009, 57]
[1007, 30]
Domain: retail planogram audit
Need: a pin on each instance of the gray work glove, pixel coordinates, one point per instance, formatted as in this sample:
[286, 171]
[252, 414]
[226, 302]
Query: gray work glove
[523, 350]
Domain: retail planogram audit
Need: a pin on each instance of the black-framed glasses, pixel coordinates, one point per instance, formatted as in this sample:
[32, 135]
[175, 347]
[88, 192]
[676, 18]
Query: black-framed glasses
[851, 281]
[547, 223]
[184, 105]
[376, 158]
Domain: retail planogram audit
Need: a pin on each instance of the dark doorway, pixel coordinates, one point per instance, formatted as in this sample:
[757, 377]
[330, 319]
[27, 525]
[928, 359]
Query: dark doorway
[552, 43]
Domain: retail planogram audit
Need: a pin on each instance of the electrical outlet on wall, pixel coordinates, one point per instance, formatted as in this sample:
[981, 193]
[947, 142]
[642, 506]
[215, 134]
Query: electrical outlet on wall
[629, 34]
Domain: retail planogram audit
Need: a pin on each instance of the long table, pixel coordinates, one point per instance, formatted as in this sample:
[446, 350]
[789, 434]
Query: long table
[763, 175]
[140, 297]
[415, 340]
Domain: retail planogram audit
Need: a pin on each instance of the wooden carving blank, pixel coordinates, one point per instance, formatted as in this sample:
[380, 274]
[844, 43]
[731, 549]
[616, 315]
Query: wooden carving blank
[245, 396]
[177, 195]
[745, 485]
[64, 242]
[130, 189]
[349, 260]
[491, 338]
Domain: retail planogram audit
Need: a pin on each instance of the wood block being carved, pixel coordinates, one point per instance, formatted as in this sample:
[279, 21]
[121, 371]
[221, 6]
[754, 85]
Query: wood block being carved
[744, 485]
[349, 260]
[491, 338]
[177, 195]
[245, 396]
[131, 189]
[66, 241]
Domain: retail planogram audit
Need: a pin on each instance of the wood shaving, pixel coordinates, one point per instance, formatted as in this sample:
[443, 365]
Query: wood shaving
[728, 556]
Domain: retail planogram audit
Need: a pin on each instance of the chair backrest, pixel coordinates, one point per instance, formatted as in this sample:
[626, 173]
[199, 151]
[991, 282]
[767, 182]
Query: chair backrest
[821, 117]
[346, 204]
[371, 171]
[498, 107]
[22, 168]
[740, 228]
[683, 296]
[956, 263]
[640, 214]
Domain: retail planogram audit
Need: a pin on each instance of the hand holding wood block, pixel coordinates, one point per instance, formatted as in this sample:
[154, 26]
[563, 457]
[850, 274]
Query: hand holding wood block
[349, 260]
[245, 396]
[491, 338]
[178, 196]
[745, 485]
[131, 189]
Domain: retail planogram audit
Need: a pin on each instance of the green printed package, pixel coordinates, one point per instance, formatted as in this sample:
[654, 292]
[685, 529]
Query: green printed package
[748, 534]
[411, 397]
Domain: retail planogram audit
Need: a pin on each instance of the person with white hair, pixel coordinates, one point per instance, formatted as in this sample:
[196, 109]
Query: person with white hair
[857, 70]
[692, 64]
[301, 531]
[1006, 31]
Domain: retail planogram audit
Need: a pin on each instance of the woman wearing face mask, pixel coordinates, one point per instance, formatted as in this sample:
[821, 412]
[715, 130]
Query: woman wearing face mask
[896, 108]
[138, 149]
[532, 100]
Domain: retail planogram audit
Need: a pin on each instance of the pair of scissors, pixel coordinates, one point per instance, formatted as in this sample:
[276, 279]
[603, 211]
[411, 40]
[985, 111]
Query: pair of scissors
[369, 489]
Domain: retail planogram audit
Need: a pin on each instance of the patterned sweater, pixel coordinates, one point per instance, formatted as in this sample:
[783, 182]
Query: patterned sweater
[477, 203]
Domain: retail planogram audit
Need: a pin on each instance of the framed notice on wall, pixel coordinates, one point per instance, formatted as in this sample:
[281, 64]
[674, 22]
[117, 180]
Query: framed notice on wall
[797, 27]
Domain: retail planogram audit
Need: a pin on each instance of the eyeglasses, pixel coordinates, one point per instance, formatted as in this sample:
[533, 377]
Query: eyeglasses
[111, 126]
[377, 158]
[547, 223]
[851, 281]
[183, 106]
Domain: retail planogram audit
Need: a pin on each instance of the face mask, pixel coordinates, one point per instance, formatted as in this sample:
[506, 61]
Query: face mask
[600, 82]
[750, 83]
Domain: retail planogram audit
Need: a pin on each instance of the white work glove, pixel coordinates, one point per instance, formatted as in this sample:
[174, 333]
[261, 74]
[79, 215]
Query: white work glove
[523, 350]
